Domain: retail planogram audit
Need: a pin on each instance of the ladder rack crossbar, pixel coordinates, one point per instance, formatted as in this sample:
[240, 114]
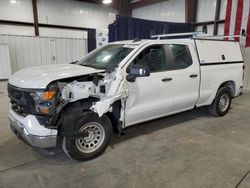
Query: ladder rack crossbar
[176, 34]
[196, 35]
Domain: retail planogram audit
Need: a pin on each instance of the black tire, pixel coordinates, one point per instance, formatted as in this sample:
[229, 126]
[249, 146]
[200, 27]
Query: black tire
[77, 148]
[214, 108]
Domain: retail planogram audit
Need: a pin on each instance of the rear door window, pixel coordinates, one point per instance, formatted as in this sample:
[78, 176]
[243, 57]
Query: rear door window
[181, 56]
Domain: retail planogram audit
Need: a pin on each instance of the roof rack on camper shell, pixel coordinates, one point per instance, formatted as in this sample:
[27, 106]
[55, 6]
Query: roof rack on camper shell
[201, 35]
[197, 35]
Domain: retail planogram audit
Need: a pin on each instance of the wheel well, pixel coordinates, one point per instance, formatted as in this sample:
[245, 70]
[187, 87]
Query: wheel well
[231, 86]
[66, 123]
[66, 117]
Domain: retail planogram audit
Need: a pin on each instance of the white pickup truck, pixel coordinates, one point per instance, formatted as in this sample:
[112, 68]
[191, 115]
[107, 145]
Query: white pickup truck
[119, 85]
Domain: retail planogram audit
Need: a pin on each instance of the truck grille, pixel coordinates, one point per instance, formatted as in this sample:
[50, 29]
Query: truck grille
[21, 101]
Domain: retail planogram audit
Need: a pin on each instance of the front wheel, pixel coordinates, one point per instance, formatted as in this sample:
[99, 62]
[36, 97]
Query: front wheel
[221, 103]
[97, 133]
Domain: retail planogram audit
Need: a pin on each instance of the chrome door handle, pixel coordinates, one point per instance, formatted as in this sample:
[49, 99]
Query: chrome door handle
[193, 75]
[166, 79]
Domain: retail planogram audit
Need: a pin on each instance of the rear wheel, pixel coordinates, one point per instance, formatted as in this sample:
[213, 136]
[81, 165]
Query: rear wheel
[221, 103]
[95, 134]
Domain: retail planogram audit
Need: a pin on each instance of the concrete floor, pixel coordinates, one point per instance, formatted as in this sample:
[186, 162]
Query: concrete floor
[190, 149]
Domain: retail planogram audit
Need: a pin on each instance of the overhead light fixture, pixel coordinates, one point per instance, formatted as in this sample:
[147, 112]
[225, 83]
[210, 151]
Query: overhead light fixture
[13, 1]
[107, 1]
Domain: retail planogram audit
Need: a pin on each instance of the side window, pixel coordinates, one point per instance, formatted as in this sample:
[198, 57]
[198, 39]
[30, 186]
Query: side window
[153, 57]
[181, 56]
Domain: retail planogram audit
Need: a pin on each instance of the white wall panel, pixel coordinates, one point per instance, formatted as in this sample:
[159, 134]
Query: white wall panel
[210, 29]
[18, 10]
[16, 30]
[205, 10]
[223, 9]
[172, 11]
[62, 33]
[75, 13]
[35, 51]
[58, 12]
[5, 69]
[221, 29]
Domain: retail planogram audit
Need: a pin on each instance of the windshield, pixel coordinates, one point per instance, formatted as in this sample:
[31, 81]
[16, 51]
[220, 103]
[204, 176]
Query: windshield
[107, 57]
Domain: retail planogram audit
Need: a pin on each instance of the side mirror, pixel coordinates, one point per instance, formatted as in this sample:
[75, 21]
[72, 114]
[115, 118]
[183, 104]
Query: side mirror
[137, 71]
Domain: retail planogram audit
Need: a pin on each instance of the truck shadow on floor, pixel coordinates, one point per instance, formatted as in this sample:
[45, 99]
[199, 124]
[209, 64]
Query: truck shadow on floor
[158, 124]
[57, 156]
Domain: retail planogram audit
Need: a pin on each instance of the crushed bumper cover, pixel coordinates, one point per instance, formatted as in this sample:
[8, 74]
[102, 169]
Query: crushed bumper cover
[25, 132]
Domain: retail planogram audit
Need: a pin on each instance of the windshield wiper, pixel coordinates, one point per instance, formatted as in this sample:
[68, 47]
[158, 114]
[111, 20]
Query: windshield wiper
[73, 62]
[91, 66]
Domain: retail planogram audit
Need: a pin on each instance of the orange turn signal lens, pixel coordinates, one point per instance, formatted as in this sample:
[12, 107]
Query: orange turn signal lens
[45, 110]
[48, 95]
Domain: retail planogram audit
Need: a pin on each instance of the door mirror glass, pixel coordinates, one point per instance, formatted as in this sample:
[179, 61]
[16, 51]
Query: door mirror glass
[137, 71]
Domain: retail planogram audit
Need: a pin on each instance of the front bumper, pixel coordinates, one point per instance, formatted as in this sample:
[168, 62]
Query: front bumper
[31, 132]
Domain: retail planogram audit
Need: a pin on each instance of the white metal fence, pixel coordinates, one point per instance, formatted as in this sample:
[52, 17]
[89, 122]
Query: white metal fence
[29, 51]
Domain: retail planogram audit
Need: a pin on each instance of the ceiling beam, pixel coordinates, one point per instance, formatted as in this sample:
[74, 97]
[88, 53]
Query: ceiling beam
[190, 11]
[208, 22]
[30, 24]
[35, 15]
[143, 3]
[63, 27]
[122, 6]
[17, 23]
[217, 16]
[92, 1]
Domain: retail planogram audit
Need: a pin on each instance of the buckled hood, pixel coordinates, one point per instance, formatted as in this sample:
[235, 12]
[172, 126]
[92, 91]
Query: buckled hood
[40, 77]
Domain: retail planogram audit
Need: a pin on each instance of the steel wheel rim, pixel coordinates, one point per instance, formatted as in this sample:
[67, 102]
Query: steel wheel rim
[94, 140]
[224, 102]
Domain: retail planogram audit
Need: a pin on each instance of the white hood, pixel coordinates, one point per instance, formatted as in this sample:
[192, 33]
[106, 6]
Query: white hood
[40, 77]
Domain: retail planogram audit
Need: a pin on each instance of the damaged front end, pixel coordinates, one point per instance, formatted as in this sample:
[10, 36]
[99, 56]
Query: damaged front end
[102, 93]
